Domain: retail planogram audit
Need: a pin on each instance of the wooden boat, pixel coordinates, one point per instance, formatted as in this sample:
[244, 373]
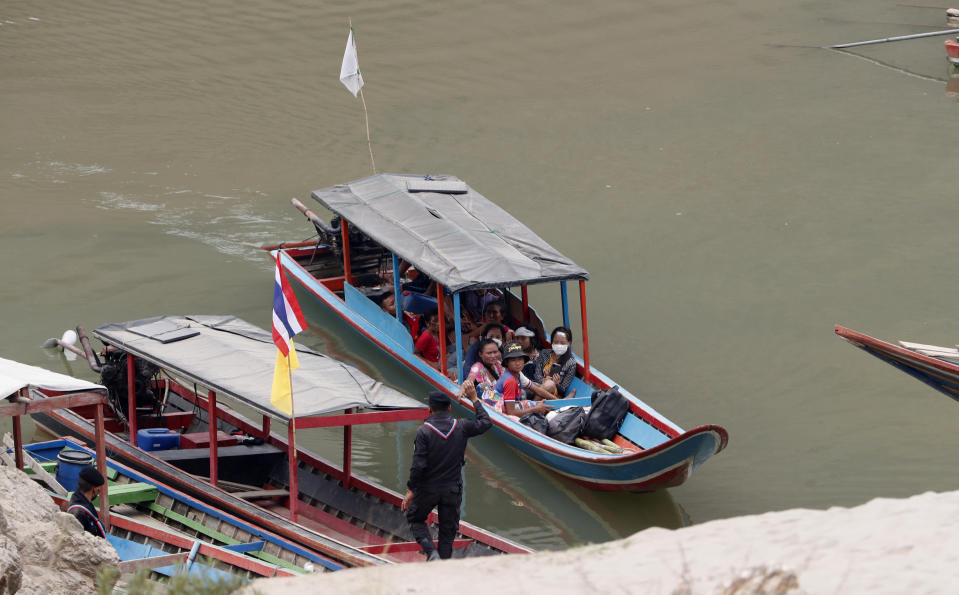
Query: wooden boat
[936, 366]
[335, 513]
[154, 526]
[159, 528]
[952, 51]
[439, 225]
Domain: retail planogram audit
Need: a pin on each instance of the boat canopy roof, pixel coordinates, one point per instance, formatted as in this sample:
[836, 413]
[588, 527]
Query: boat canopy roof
[14, 376]
[449, 231]
[236, 359]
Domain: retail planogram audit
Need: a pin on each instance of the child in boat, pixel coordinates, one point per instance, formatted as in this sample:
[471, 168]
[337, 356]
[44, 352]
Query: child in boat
[513, 384]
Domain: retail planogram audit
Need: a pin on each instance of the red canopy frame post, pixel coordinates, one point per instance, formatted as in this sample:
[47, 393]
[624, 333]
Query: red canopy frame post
[101, 450]
[131, 400]
[266, 427]
[582, 310]
[17, 434]
[526, 305]
[345, 230]
[214, 455]
[291, 455]
[347, 452]
[441, 312]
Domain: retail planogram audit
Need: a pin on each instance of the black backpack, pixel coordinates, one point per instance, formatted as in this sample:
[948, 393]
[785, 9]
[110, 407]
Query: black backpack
[536, 421]
[606, 414]
[567, 424]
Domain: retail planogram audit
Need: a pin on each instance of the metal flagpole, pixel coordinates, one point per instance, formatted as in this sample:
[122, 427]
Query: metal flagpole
[294, 484]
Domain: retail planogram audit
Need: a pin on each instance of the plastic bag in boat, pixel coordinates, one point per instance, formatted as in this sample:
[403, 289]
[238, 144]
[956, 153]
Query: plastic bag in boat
[606, 415]
[536, 421]
[567, 424]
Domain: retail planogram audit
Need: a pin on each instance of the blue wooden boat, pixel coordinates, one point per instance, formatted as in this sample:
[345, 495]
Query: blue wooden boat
[463, 242]
[936, 366]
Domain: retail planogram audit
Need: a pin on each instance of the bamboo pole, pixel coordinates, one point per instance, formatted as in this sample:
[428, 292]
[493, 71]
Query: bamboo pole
[888, 39]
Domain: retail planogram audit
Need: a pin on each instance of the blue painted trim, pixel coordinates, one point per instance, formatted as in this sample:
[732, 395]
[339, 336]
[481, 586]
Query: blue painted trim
[565, 296]
[396, 289]
[365, 307]
[458, 325]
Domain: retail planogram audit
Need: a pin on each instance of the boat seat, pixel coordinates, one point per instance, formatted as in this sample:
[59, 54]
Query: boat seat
[641, 433]
[249, 464]
[131, 493]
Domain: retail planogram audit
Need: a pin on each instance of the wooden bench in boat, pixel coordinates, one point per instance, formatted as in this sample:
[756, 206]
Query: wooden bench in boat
[249, 464]
[131, 493]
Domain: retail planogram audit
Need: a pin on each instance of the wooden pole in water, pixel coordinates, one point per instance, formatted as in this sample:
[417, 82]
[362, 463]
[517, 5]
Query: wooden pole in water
[888, 39]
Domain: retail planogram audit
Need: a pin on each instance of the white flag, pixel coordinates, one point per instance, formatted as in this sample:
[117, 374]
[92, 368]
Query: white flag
[350, 71]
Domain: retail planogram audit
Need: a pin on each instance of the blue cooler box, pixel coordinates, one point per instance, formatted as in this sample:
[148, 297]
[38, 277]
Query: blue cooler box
[157, 439]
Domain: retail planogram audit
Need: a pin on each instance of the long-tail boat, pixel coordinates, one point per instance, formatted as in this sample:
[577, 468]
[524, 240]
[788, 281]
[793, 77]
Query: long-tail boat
[936, 366]
[177, 373]
[463, 242]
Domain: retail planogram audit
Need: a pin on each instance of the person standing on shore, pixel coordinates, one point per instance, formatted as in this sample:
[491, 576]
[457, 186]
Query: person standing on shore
[80, 503]
[435, 476]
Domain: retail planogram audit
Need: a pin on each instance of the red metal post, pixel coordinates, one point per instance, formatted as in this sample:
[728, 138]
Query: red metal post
[291, 455]
[211, 416]
[345, 229]
[441, 311]
[582, 311]
[347, 452]
[266, 427]
[526, 306]
[18, 435]
[101, 450]
[131, 400]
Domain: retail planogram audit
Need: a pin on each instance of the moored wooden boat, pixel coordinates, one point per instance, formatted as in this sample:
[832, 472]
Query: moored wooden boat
[936, 366]
[335, 513]
[462, 242]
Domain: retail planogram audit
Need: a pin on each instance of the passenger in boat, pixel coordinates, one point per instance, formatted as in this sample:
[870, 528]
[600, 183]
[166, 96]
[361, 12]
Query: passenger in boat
[513, 384]
[488, 369]
[528, 338]
[555, 368]
[493, 331]
[475, 302]
[88, 480]
[436, 478]
[388, 303]
[427, 344]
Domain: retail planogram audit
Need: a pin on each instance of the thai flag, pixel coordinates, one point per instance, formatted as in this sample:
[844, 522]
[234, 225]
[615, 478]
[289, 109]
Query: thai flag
[287, 317]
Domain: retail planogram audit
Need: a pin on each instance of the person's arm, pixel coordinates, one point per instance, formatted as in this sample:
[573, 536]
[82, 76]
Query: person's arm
[417, 469]
[510, 408]
[481, 423]
[540, 392]
[566, 376]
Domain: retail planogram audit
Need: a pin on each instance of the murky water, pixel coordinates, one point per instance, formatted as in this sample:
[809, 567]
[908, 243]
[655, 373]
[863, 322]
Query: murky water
[732, 199]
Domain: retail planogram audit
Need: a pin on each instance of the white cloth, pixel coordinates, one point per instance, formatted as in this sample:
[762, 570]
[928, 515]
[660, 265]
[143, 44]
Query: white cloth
[350, 71]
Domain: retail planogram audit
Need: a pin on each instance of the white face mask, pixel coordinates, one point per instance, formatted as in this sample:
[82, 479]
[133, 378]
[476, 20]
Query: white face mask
[497, 341]
[560, 349]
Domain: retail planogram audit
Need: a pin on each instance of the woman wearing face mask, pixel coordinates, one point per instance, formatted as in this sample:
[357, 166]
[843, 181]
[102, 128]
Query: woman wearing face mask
[555, 368]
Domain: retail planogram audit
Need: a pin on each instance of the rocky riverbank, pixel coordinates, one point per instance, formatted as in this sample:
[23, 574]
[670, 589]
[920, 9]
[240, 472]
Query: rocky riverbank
[883, 546]
[44, 550]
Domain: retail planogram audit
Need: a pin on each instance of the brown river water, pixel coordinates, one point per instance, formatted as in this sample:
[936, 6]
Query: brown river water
[733, 189]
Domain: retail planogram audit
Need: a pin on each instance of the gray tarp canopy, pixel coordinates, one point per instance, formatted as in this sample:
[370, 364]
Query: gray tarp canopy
[236, 359]
[14, 376]
[449, 231]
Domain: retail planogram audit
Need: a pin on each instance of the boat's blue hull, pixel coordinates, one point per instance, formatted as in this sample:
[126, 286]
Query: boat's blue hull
[670, 462]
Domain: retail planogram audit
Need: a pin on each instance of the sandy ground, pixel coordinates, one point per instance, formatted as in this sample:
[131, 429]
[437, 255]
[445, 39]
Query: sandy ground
[883, 546]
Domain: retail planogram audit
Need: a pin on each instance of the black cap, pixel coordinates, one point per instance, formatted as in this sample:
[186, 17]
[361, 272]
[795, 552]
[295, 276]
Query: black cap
[91, 476]
[513, 349]
[439, 399]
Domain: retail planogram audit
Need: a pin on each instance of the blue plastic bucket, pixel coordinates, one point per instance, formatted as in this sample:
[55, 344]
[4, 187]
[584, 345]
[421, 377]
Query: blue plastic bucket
[69, 464]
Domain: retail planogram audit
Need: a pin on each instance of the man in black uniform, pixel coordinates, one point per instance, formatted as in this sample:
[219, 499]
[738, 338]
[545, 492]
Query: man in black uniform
[435, 476]
[81, 507]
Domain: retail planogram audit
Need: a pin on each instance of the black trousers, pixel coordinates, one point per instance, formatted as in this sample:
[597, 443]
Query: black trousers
[447, 502]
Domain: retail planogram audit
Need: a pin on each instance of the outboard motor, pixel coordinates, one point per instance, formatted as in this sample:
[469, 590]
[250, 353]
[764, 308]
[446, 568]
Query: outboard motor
[113, 375]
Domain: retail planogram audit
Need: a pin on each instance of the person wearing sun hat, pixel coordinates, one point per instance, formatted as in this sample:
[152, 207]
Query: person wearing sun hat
[513, 383]
[88, 480]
